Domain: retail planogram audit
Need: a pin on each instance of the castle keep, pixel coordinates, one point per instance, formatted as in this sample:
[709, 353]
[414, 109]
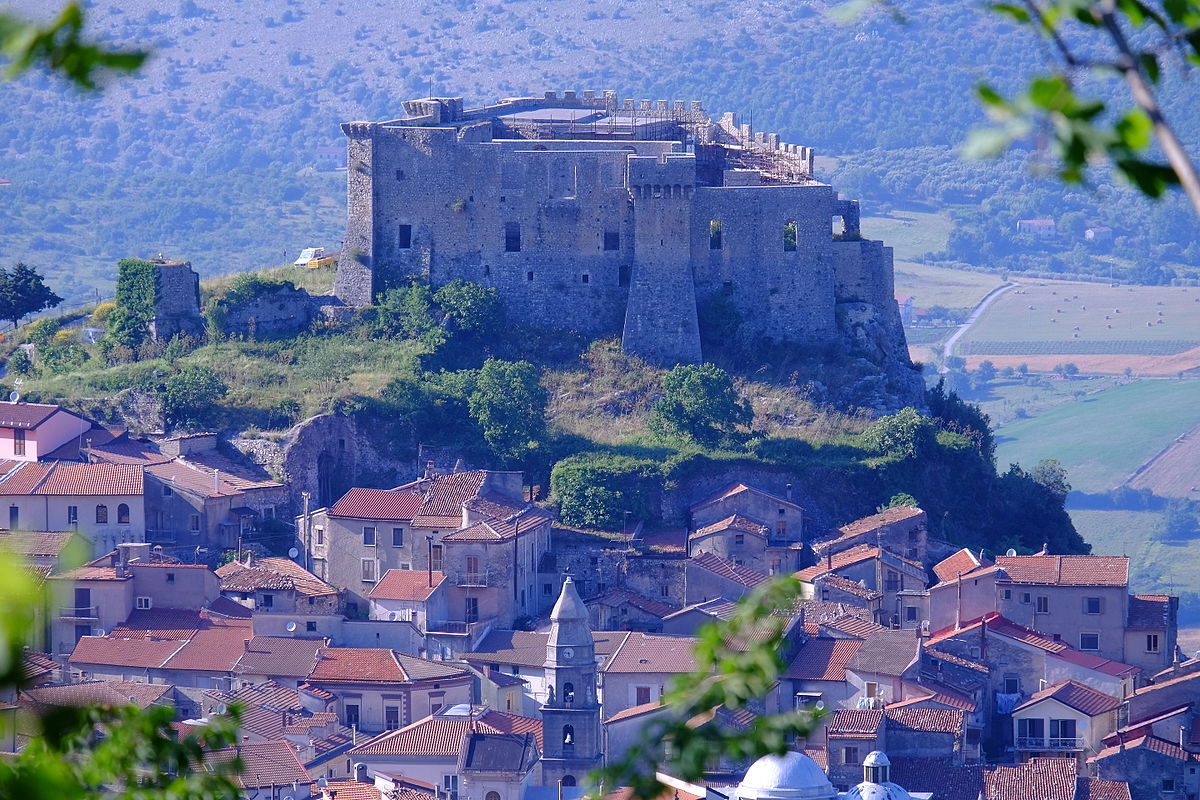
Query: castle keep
[602, 215]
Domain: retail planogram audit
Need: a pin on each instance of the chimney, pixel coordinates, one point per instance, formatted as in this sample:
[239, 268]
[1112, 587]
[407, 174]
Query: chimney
[216, 481]
[429, 471]
[788, 494]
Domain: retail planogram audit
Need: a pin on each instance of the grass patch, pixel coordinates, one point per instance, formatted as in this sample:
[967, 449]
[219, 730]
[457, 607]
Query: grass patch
[910, 234]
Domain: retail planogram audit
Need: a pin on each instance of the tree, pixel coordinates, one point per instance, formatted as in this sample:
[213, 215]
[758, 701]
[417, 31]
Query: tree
[188, 396]
[905, 434]
[470, 309]
[986, 372]
[1051, 474]
[20, 363]
[700, 404]
[23, 292]
[61, 48]
[509, 403]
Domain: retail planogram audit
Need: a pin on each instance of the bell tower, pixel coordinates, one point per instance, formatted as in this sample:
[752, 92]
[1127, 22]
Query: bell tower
[571, 713]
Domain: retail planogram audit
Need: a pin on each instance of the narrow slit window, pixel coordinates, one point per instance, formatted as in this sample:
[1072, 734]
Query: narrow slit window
[585, 278]
[789, 236]
[404, 237]
[714, 234]
[529, 276]
[512, 237]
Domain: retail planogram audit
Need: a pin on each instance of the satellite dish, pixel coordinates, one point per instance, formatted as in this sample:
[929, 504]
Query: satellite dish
[392, 615]
[291, 627]
[14, 396]
[293, 553]
[1011, 552]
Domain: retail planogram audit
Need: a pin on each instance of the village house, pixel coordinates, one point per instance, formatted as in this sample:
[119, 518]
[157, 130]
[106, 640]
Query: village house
[851, 734]
[410, 596]
[31, 431]
[1067, 719]
[1154, 768]
[875, 568]
[626, 610]
[901, 529]
[709, 577]
[267, 767]
[284, 598]
[876, 672]
[750, 527]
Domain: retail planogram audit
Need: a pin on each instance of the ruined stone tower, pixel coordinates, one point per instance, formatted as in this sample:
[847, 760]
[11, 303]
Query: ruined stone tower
[609, 216]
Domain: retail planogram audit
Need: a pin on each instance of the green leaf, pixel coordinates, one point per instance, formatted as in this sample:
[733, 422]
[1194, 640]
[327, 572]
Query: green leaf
[990, 96]
[1135, 130]
[987, 143]
[1151, 179]
[1050, 93]
[1013, 12]
[1150, 65]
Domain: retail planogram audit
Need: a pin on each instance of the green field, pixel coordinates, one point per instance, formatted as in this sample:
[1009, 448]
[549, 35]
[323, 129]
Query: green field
[1006, 401]
[1121, 315]
[911, 234]
[1102, 438]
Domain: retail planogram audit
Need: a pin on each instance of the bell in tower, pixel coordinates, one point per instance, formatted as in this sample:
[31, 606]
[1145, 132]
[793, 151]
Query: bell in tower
[571, 713]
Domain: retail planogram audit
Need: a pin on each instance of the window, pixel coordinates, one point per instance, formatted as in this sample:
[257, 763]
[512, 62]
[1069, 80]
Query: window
[1089, 641]
[450, 784]
[664, 590]
[714, 234]
[435, 558]
[397, 537]
[781, 528]
[849, 755]
[1151, 642]
[529, 276]
[101, 515]
[624, 274]
[123, 514]
[18, 443]
[14, 517]
[167, 491]
[1012, 683]
[872, 689]
[194, 523]
[546, 589]
[72, 515]
[391, 717]
[472, 609]
[1091, 605]
[512, 237]
[404, 237]
[1062, 730]
[1025, 598]
[170, 577]
[368, 569]
[1168, 785]
[369, 535]
[352, 714]
[492, 795]
[568, 780]
[789, 236]
[641, 695]
[1032, 730]
[144, 603]
[310, 627]
[320, 535]
[739, 538]
[1043, 604]
[910, 613]
[612, 240]
[268, 600]
[585, 278]
[1008, 594]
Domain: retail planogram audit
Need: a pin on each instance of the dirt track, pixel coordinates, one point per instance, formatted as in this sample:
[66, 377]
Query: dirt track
[1175, 472]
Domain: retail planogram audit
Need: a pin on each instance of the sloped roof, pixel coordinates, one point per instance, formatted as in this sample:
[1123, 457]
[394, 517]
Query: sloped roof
[728, 570]
[739, 488]
[101, 693]
[269, 763]
[823, 659]
[444, 497]
[26, 416]
[855, 722]
[930, 691]
[168, 639]
[528, 648]
[277, 655]
[620, 596]
[272, 573]
[185, 474]
[1069, 570]
[645, 652]
[1073, 694]
[1149, 612]
[46, 544]
[1099, 789]
[636, 711]
[849, 557]
[735, 522]
[887, 652]
[1043, 778]
[874, 522]
[717, 608]
[1151, 743]
[854, 588]
[497, 752]
[90, 479]
[377, 665]
[443, 734]
[407, 584]
[854, 625]
[960, 563]
[929, 720]
[382, 504]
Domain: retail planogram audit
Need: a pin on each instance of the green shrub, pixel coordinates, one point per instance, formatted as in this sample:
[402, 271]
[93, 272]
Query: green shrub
[594, 490]
[41, 331]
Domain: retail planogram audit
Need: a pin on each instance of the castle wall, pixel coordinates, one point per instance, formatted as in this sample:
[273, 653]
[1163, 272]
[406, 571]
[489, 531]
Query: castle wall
[177, 310]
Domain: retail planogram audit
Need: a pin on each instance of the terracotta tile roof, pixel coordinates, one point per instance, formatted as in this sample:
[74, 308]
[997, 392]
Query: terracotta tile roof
[275, 655]
[1151, 743]
[850, 557]
[928, 720]
[352, 790]
[1073, 694]
[168, 639]
[717, 608]
[1043, 778]
[528, 648]
[443, 734]
[120, 449]
[823, 659]
[213, 648]
[618, 597]
[950, 658]
[636, 711]
[1066, 570]
[738, 488]
[495, 506]
[46, 544]
[875, 522]
[89, 480]
[644, 652]
[1162, 684]
[110, 651]
[939, 776]
[853, 625]
[383, 504]
[36, 665]
[446, 494]
[1149, 612]
[728, 570]
[377, 665]
[272, 573]
[930, 691]
[819, 755]
[1098, 789]
[734, 522]
[1135, 727]
[26, 416]
[22, 477]
[316, 691]
[962, 562]
[406, 584]
[887, 652]
[102, 693]
[264, 764]
[835, 581]
[855, 723]
[183, 474]
[525, 519]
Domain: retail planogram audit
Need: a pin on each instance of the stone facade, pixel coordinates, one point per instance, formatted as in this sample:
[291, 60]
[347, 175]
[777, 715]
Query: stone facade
[601, 215]
[177, 304]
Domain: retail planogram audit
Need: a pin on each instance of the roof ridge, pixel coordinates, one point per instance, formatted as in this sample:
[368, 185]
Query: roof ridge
[45, 477]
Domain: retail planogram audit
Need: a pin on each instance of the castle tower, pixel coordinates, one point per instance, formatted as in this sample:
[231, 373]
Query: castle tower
[661, 321]
[571, 713]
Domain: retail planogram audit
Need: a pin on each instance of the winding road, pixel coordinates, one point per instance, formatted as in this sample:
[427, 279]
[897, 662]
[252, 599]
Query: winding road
[948, 347]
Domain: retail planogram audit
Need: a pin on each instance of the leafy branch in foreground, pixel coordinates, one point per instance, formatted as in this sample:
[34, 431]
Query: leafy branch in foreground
[737, 662]
[60, 47]
[1077, 125]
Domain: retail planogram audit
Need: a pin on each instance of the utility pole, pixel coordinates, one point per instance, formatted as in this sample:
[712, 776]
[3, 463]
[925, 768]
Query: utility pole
[429, 560]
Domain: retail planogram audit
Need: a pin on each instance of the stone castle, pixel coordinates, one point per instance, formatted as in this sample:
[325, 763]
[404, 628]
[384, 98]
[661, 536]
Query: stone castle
[603, 215]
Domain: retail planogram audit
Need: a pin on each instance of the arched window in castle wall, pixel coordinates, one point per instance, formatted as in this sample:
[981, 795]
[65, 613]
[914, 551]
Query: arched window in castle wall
[790, 235]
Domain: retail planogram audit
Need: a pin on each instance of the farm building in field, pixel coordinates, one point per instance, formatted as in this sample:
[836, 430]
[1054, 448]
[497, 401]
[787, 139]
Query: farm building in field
[1041, 228]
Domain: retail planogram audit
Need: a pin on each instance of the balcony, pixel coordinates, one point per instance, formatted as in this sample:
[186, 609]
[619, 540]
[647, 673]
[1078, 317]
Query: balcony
[79, 612]
[1039, 743]
[456, 627]
[473, 579]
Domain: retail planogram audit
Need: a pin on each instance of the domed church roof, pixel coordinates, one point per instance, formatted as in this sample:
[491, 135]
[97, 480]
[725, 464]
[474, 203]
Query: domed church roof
[792, 776]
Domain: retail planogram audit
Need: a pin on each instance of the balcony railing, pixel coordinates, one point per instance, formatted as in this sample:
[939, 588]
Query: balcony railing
[455, 626]
[1052, 743]
[473, 579]
[79, 612]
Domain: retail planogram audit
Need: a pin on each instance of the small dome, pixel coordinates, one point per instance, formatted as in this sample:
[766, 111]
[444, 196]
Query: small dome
[876, 758]
[877, 791]
[792, 776]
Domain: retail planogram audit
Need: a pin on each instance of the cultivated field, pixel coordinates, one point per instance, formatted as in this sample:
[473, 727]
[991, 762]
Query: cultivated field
[1151, 330]
[1175, 472]
[1103, 438]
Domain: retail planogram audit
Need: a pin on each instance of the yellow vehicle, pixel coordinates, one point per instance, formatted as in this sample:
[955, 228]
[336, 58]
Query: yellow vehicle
[315, 258]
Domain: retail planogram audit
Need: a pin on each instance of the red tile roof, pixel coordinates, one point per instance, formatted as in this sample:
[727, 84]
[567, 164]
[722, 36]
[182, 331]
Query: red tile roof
[929, 691]
[116, 652]
[855, 723]
[929, 720]
[47, 544]
[735, 522]
[1043, 778]
[102, 693]
[961, 563]
[1098, 789]
[644, 652]
[823, 659]
[407, 584]
[377, 665]
[1073, 694]
[382, 504]
[853, 625]
[183, 474]
[849, 557]
[877, 521]
[619, 597]
[27, 416]
[264, 764]
[636, 711]
[1151, 743]
[22, 477]
[62, 478]
[728, 570]
[442, 734]
[168, 639]
[279, 656]
[272, 573]
[1066, 570]
[835, 581]
[446, 494]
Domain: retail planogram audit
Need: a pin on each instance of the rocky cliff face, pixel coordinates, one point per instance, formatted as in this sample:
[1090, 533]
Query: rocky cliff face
[882, 377]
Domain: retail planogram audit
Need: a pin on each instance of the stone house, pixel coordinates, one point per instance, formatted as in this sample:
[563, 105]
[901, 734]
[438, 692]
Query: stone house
[1067, 719]
[380, 689]
[876, 672]
[1154, 768]
[31, 431]
[280, 593]
[708, 576]
[830, 587]
[782, 519]
[875, 568]
[626, 610]
[1151, 631]
[902, 529]
[431, 749]
[817, 674]
[687, 620]
[851, 734]
[404, 594]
